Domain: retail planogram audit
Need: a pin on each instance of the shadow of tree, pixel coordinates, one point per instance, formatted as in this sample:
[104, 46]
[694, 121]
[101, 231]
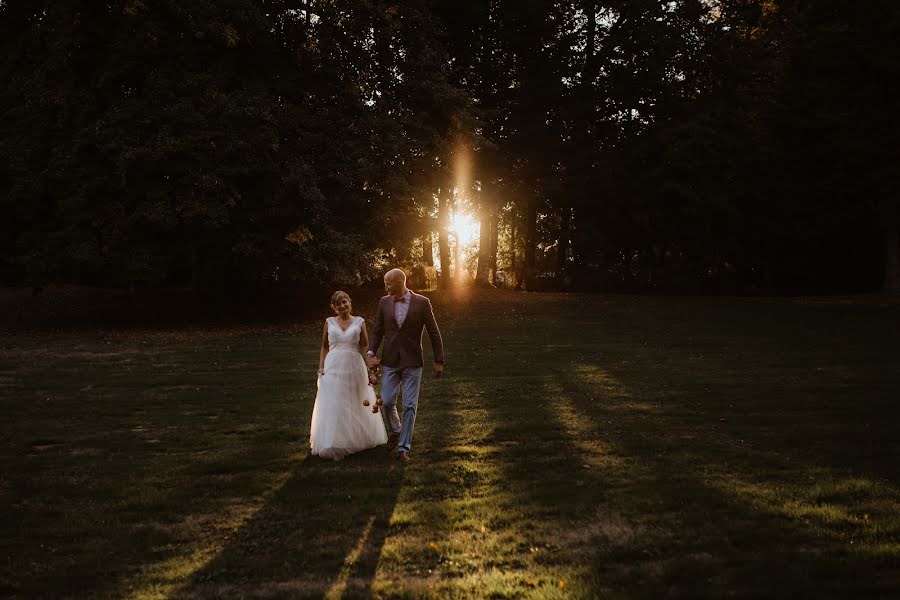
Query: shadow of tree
[320, 533]
[743, 452]
[644, 466]
[714, 516]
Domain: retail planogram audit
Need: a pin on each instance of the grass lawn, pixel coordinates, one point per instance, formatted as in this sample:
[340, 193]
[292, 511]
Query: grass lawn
[578, 446]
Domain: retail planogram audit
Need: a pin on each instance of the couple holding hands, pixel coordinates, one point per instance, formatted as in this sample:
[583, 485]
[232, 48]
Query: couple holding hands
[341, 422]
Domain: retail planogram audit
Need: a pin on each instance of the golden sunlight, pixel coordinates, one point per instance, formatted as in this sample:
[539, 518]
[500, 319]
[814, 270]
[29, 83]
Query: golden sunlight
[466, 227]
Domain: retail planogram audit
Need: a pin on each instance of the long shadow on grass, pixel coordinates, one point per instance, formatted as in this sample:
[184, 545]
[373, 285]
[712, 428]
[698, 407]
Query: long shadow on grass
[646, 484]
[548, 481]
[598, 476]
[324, 532]
[517, 478]
[320, 533]
[421, 518]
[702, 532]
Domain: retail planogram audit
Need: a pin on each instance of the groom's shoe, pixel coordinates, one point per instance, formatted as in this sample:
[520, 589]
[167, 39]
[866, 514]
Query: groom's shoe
[403, 456]
[393, 441]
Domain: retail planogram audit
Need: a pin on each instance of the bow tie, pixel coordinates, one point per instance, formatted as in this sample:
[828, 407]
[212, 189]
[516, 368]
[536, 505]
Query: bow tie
[403, 299]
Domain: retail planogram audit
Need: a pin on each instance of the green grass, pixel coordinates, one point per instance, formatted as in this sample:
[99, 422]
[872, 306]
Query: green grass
[579, 446]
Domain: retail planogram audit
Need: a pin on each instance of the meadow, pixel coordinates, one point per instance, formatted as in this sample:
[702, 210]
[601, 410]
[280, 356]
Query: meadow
[578, 446]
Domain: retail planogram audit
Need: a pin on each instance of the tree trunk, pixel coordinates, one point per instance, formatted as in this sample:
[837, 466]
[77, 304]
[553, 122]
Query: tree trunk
[528, 274]
[495, 219]
[580, 203]
[768, 278]
[458, 270]
[892, 261]
[195, 265]
[427, 250]
[482, 274]
[443, 237]
[562, 245]
[513, 247]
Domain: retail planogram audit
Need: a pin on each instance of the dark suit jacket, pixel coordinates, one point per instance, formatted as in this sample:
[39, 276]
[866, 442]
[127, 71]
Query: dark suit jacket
[403, 345]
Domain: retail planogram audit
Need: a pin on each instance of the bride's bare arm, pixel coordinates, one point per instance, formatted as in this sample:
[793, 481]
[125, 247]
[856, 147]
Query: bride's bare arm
[363, 339]
[324, 351]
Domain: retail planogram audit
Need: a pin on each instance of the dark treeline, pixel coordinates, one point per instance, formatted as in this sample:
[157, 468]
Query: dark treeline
[684, 145]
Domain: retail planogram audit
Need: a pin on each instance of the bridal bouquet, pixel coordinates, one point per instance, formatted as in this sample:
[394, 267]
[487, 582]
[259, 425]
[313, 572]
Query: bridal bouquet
[374, 374]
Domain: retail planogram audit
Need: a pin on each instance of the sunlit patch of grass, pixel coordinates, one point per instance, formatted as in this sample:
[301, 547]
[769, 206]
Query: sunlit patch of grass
[162, 579]
[606, 386]
[204, 538]
[857, 512]
[491, 583]
[593, 449]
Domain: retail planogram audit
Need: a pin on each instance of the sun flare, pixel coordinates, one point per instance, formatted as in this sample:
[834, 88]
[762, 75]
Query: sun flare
[466, 227]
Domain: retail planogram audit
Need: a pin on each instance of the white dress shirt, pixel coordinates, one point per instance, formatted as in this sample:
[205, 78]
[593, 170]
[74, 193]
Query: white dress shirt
[402, 308]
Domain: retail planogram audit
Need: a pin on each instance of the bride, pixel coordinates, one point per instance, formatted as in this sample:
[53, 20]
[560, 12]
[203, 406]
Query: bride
[341, 424]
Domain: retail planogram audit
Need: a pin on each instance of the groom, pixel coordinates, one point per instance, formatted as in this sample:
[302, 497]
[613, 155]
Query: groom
[399, 322]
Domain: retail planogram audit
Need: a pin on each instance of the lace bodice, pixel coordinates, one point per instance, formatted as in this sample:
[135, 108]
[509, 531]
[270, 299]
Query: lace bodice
[344, 339]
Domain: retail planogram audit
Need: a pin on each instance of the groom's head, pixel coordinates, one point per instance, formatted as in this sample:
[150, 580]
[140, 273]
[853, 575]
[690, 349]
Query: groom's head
[395, 283]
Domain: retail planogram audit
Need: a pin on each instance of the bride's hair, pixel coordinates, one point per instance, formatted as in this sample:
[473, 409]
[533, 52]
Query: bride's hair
[337, 296]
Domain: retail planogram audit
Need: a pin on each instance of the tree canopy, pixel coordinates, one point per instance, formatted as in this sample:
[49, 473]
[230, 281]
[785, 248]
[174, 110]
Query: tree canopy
[680, 145]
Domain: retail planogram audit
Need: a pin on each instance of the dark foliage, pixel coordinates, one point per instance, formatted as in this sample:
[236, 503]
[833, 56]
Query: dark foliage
[738, 145]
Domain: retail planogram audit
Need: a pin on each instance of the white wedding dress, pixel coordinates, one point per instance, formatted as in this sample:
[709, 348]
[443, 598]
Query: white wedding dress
[341, 425]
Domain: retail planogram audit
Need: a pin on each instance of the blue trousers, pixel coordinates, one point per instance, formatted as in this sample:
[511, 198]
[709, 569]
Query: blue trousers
[392, 379]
